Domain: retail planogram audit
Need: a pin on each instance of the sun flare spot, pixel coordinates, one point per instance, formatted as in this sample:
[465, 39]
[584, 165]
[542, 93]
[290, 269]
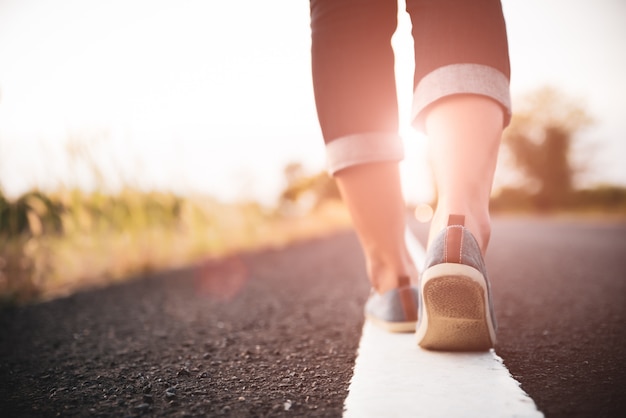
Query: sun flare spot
[423, 212]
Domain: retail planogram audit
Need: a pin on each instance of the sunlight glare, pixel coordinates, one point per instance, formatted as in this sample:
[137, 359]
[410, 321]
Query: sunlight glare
[423, 212]
[416, 182]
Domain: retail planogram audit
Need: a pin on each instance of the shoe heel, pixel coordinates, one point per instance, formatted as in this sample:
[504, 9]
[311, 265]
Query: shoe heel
[456, 314]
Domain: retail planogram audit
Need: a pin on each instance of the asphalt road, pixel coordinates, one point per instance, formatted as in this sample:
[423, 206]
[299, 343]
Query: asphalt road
[274, 333]
[560, 290]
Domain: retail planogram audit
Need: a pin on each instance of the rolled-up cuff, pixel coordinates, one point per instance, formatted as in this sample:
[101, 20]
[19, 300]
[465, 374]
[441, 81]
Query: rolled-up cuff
[461, 79]
[364, 148]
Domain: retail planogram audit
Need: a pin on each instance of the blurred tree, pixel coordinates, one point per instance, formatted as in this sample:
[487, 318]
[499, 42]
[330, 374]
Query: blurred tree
[541, 140]
[306, 191]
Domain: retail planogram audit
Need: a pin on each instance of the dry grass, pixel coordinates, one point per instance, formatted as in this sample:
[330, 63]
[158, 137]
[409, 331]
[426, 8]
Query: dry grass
[105, 239]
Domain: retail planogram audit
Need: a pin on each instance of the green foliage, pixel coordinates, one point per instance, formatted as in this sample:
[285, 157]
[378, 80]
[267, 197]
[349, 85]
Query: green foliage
[52, 244]
[56, 240]
[130, 210]
[31, 213]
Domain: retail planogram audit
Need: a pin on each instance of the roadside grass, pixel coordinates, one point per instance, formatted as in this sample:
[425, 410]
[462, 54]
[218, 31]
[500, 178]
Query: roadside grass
[55, 244]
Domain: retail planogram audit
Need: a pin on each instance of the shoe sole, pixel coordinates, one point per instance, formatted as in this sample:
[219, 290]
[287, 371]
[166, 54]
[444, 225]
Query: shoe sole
[455, 315]
[398, 327]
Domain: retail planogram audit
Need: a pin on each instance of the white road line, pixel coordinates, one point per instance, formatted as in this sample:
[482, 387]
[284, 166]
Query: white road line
[393, 377]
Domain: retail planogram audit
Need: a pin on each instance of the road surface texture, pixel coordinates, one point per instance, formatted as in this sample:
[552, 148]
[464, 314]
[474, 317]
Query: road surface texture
[275, 333]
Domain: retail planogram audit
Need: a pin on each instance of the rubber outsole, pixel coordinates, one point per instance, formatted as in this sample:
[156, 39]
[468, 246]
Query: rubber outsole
[388, 326]
[455, 314]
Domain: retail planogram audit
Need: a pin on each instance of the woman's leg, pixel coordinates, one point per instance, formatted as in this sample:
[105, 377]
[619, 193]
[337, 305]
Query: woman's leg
[462, 102]
[353, 74]
[465, 132]
[373, 195]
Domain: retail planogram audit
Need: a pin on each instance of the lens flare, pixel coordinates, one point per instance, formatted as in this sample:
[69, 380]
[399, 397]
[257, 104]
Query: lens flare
[222, 280]
[423, 212]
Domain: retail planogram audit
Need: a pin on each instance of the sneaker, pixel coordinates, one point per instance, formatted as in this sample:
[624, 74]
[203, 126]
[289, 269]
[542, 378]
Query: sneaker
[455, 307]
[394, 310]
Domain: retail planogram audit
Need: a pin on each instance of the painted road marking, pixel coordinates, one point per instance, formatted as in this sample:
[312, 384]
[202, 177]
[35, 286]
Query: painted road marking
[393, 377]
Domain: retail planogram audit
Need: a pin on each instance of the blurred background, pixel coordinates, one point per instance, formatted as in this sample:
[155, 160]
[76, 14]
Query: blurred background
[137, 135]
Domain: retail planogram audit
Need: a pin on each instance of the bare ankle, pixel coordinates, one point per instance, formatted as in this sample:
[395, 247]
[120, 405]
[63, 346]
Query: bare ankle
[384, 273]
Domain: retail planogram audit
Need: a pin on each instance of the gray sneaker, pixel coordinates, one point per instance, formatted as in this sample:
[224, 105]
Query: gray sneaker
[455, 306]
[394, 310]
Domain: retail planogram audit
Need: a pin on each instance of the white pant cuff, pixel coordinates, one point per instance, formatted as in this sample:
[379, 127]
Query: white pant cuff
[364, 148]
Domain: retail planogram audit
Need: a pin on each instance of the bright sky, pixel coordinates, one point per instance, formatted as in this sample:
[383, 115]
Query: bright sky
[216, 97]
